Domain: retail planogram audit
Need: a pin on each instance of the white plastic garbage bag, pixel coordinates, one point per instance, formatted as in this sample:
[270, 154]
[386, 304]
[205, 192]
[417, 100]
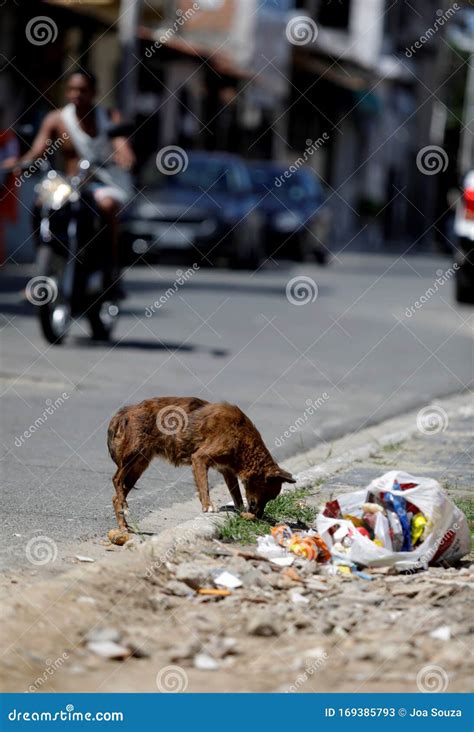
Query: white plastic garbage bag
[446, 537]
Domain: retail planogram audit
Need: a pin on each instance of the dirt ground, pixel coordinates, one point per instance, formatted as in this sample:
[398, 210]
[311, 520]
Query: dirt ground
[394, 633]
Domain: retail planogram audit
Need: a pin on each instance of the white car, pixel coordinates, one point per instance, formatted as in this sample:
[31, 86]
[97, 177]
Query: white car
[464, 230]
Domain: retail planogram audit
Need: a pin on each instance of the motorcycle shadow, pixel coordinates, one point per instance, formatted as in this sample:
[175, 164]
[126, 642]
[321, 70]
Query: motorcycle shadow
[150, 345]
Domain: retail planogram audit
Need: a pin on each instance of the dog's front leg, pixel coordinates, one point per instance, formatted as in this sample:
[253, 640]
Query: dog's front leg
[200, 465]
[232, 484]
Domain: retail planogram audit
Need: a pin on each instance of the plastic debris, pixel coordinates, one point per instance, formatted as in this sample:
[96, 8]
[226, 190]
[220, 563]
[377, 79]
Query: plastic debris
[298, 598]
[204, 662]
[267, 547]
[109, 649]
[80, 558]
[399, 520]
[442, 633]
[227, 580]
[305, 544]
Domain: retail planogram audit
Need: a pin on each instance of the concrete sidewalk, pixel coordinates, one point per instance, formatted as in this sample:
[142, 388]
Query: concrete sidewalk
[395, 633]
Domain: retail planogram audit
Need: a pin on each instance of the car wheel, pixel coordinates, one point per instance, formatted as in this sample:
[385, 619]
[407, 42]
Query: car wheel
[465, 281]
[309, 249]
[248, 250]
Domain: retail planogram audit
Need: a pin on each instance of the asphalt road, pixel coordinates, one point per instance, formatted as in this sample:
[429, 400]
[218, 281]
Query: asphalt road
[353, 352]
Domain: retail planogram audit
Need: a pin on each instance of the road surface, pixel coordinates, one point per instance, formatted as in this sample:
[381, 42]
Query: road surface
[373, 338]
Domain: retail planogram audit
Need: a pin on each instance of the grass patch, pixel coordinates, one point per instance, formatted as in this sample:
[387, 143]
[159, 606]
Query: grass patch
[467, 507]
[396, 447]
[288, 507]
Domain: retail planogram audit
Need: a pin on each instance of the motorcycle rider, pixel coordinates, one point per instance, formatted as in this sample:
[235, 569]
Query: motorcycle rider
[83, 128]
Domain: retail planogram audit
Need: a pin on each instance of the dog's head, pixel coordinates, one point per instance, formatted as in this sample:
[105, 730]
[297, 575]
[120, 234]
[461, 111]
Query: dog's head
[261, 488]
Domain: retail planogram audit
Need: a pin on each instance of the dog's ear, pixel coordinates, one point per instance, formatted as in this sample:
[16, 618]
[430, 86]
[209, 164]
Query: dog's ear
[283, 475]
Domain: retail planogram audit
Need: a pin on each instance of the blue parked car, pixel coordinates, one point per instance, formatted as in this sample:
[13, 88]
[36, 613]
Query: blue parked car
[295, 209]
[206, 209]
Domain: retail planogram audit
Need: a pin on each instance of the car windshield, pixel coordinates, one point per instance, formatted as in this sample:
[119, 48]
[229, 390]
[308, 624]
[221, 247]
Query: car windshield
[200, 175]
[295, 188]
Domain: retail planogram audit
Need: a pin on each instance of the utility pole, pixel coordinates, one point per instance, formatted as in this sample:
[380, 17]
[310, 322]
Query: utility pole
[130, 12]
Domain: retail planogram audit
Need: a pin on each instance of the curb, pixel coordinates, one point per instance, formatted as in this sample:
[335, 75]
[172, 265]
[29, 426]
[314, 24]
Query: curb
[351, 448]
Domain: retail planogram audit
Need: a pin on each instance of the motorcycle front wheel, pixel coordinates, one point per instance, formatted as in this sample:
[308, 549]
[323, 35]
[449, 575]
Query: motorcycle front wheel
[54, 312]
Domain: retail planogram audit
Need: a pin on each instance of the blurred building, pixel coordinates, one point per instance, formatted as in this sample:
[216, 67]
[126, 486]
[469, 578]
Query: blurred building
[223, 68]
[227, 74]
[359, 81]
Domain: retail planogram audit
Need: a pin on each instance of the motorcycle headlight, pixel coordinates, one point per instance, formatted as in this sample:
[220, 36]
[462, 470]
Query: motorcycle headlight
[54, 191]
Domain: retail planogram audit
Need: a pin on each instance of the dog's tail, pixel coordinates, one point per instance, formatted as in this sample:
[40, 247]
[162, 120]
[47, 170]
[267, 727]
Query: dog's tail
[115, 433]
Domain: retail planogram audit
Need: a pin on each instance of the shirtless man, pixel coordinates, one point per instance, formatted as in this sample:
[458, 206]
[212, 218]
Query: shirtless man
[82, 124]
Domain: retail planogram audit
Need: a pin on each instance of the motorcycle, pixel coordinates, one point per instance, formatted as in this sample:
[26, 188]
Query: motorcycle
[72, 260]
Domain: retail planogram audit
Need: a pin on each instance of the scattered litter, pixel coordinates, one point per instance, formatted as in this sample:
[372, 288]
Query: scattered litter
[204, 662]
[87, 600]
[109, 649]
[102, 634]
[80, 558]
[398, 520]
[283, 545]
[267, 547]
[298, 598]
[212, 591]
[442, 633]
[228, 580]
[17, 535]
[283, 561]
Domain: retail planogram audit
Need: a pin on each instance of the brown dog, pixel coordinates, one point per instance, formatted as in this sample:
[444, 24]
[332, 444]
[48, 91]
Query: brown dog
[190, 431]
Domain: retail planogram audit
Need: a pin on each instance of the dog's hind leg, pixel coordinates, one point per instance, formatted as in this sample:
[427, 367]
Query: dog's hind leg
[124, 480]
[119, 499]
[232, 484]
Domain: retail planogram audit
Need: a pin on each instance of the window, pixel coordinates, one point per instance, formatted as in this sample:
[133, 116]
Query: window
[334, 13]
